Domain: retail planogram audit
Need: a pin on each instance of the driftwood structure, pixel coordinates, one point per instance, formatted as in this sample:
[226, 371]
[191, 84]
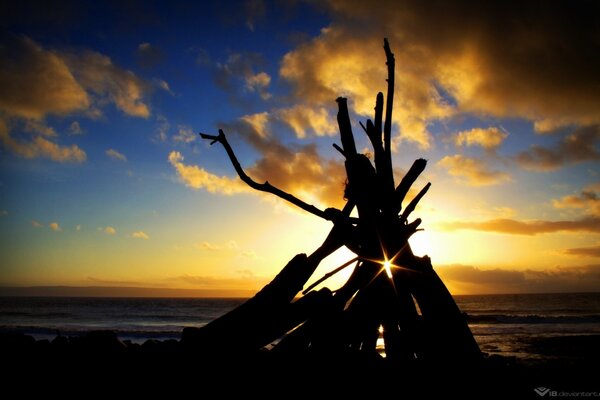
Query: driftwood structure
[391, 293]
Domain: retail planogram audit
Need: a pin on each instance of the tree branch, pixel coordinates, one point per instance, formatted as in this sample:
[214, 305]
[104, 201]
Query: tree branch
[407, 181]
[413, 203]
[387, 128]
[265, 187]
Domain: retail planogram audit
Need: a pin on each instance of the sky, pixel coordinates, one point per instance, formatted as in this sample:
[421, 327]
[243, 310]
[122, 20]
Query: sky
[104, 180]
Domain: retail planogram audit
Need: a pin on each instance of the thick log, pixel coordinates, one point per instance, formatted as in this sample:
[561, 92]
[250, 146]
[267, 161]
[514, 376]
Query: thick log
[446, 334]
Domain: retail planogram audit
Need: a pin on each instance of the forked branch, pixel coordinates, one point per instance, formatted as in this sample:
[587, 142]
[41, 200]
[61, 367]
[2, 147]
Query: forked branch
[266, 187]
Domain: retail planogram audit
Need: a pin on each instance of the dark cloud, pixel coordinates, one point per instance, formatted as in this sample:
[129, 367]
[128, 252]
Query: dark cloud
[510, 226]
[579, 146]
[469, 279]
[592, 251]
[241, 74]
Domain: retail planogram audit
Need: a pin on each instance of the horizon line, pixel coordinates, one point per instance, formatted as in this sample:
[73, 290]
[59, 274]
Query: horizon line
[157, 292]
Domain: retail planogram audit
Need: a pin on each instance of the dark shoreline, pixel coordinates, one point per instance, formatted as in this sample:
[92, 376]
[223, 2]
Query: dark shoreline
[566, 363]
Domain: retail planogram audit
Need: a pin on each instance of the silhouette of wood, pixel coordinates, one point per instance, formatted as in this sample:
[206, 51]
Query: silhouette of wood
[385, 287]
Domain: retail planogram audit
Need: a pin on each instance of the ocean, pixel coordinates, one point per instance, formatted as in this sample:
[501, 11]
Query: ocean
[501, 324]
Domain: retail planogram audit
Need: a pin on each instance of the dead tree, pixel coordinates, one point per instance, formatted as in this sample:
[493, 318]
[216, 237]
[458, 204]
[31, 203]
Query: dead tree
[390, 290]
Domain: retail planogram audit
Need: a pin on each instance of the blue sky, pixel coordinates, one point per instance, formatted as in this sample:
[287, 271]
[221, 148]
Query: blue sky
[104, 180]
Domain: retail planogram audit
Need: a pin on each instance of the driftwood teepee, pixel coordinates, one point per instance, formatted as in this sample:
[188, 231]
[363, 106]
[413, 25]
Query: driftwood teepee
[390, 292]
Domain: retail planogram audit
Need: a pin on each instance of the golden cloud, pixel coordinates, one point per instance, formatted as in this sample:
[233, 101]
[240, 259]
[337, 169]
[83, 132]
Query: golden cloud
[538, 63]
[259, 83]
[97, 74]
[302, 118]
[55, 227]
[488, 138]
[299, 170]
[198, 178]
[472, 171]
[588, 200]
[513, 227]
[258, 122]
[35, 82]
[39, 146]
[109, 230]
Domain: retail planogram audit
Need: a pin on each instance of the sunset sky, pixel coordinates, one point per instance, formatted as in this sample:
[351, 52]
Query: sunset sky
[104, 180]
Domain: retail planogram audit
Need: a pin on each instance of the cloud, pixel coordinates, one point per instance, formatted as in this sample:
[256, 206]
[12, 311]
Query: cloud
[588, 200]
[513, 227]
[149, 56]
[185, 134]
[258, 122]
[472, 171]
[488, 138]
[3, 213]
[78, 228]
[164, 85]
[296, 169]
[55, 227]
[238, 75]
[471, 279]
[591, 251]
[108, 82]
[115, 155]
[517, 66]
[302, 118]
[198, 178]
[36, 224]
[109, 230]
[37, 126]
[35, 82]
[140, 235]
[39, 146]
[75, 128]
[578, 146]
[259, 83]
[162, 128]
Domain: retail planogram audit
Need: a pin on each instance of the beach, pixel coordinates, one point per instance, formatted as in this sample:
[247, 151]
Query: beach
[529, 342]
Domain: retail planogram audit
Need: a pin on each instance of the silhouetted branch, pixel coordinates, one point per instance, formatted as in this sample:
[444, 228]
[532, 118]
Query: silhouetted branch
[413, 203]
[264, 187]
[406, 182]
[387, 128]
[329, 274]
[345, 128]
